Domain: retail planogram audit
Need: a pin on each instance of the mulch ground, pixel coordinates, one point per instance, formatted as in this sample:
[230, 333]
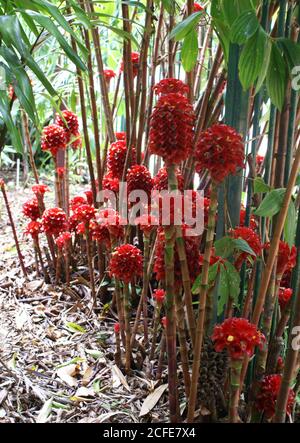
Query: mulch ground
[57, 358]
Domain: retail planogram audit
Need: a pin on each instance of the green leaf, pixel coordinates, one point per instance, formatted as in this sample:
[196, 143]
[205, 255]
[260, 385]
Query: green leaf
[8, 120]
[10, 30]
[229, 285]
[23, 86]
[271, 204]
[224, 247]
[276, 77]
[53, 11]
[260, 186]
[290, 225]
[291, 51]
[48, 24]
[189, 51]
[74, 327]
[265, 67]
[252, 58]
[232, 9]
[244, 27]
[186, 26]
[242, 245]
[212, 274]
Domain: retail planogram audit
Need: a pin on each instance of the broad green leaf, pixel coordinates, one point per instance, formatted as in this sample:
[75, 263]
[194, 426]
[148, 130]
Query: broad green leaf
[229, 285]
[265, 67]
[183, 28]
[212, 274]
[260, 186]
[276, 77]
[10, 30]
[291, 51]
[271, 204]
[23, 86]
[232, 9]
[189, 51]
[244, 27]
[290, 225]
[252, 58]
[8, 120]
[224, 247]
[242, 245]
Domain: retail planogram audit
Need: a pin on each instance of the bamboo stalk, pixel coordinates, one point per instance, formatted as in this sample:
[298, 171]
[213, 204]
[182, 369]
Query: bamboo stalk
[266, 275]
[127, 310]
[170, 309]
[13, 228]
[88, 4]
[202, 301]
[182, 341]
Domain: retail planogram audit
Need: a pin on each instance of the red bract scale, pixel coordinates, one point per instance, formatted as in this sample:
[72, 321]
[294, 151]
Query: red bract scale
[116, 158]
[84, 213]
[238, 336]
[146, 223]
[198, 7]
[53, 139]
[287, 257]
[70, 124]
[31, 209]
[160, 181]
[2, 184]
[213, 259]
[73, 223]
[159, 295]
[121, 136]
[285, 281]
[126, 263]
[100, 233]
[54, 221]
[76, 141]
[80, 229]
[253, 240]
[220, 150]
[259, 160]
[40, 189]
[171, 128]
[60, 171]
[192, 255]
[89, 197]
[139, 178]
[77, 201]
[63, 240]
[284, 295]
[112, 220]
[253, 224]
[11, 93]
[135, 58]
[110, 183]
[280, 365]
[34, 228]
[109, 74]
[170, 85]
[117, 328]
[164, 322]
[267, 396]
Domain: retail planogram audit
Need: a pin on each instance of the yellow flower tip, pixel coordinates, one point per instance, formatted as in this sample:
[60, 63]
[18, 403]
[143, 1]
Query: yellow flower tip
[230, 338]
